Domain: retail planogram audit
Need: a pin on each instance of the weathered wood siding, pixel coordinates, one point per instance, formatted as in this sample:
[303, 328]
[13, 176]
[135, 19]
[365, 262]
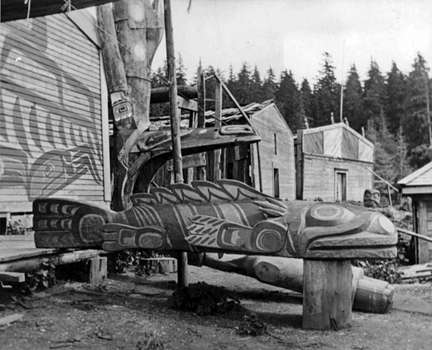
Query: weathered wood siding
[423, 225]
[50, 113]
[319, 177]
[268, 122]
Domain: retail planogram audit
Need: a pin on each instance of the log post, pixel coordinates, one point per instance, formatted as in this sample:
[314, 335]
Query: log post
[182, 271]
[327, 294]
[218, 123]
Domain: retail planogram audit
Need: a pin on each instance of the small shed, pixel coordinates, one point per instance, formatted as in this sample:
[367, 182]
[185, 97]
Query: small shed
[418, 185]
[334, 163]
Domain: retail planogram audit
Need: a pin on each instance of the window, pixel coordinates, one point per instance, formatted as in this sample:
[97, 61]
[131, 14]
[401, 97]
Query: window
[275, 143]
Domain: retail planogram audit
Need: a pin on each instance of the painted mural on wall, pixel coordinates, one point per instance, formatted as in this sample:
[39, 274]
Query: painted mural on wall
[45, 143]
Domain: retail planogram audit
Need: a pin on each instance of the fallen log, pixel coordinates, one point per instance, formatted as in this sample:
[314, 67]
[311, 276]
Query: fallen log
[370, 295]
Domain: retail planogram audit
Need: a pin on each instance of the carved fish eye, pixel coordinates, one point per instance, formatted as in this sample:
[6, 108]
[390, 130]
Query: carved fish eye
[329, 212]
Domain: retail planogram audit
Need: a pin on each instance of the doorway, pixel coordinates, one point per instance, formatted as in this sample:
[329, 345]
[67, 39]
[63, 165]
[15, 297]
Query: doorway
[340, 186]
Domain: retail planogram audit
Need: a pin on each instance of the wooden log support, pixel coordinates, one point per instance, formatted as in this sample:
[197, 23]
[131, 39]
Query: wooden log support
[327, 294]
[98, 271]
[182, 270]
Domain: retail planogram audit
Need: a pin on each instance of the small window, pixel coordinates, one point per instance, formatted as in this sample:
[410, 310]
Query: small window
[275, 143]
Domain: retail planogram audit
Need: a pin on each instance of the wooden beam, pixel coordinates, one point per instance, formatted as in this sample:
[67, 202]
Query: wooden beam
[201, 98]
[12, 10]
[12, 277]
[34, 263]
[161, 94]
[182, 270]
[218, 123]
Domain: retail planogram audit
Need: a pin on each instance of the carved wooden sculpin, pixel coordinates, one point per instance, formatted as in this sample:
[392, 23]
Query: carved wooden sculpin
[225, 216]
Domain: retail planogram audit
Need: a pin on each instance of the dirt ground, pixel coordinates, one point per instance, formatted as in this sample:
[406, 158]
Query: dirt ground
[131, 311]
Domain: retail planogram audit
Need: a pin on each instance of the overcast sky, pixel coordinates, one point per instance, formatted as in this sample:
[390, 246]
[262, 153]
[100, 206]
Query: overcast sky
[293, 34]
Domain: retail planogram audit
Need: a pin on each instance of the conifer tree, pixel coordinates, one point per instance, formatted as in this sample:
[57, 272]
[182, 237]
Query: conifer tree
[243, 85]
[306, 101]
[326, 93]
[270, 85]
[352, 104]
[415, 122]
[396, 98]
[374, 95]
[256, 93]
[288, 101]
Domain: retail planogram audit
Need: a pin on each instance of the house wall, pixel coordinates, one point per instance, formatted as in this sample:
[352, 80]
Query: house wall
[319, 177]
[422, 207]
[268, 122]
[53, 122]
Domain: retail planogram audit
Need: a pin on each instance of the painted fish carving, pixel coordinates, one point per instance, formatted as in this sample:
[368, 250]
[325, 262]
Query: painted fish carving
[224, 216]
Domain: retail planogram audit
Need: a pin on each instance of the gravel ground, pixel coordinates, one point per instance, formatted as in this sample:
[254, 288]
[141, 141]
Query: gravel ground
[132, 313]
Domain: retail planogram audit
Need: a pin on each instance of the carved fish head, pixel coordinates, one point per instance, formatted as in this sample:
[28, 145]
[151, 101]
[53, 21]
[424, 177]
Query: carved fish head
[333, 231]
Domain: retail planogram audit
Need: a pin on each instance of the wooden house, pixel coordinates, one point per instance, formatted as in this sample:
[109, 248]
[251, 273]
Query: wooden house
[268, 165]
[418, 185]
[333, 163]
[53, 112]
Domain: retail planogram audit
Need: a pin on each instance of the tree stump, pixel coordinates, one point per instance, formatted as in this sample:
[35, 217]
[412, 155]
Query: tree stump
[327, 294]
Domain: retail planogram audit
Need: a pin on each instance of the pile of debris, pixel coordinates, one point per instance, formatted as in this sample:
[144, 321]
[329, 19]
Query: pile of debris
[204, 299]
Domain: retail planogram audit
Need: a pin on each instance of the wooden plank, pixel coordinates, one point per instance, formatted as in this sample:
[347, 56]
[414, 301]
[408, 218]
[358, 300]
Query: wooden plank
[414, 272]
[49, 32]
[33, 263]
[73, 99]
[11, 254]
[12, 277]
[327, 294]
[30, 69]
[15, 9]
[51, 106]
[78, 75]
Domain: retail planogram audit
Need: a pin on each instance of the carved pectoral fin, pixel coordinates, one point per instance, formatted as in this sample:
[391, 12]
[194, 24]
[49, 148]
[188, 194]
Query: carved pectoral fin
[119, 237]
[209, 232]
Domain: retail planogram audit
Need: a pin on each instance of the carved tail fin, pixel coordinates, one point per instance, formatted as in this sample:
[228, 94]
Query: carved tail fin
[62, 223]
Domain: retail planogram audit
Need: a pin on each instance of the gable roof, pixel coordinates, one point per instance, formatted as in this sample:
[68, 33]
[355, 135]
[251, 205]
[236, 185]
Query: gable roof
[420, 177]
